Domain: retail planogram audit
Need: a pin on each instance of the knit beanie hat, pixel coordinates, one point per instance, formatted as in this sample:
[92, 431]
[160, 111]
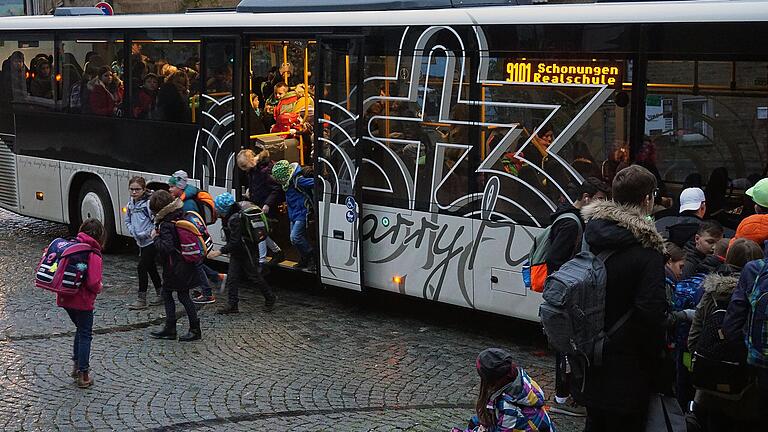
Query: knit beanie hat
[281, 172]
[179, 179]
[223, 203]
[495, 363]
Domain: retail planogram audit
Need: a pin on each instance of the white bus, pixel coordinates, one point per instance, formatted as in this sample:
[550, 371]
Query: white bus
[423, 121]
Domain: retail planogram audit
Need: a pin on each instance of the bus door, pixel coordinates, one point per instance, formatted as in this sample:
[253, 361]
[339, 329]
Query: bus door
[338, 156]
[219, 132]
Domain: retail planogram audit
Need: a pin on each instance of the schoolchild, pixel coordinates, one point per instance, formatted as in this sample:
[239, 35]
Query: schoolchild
[509, 400]
[298, 195]
[265, 192]
[179, 187]
[700, 252]
[80, 306]
[243, 257]
[178, 274]
[138, 221]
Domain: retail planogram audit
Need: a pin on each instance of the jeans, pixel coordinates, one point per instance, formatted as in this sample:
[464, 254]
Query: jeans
[299, 238]
[241, 272]
[263, 245]
[205, 274]
[170, 306]
[148, 269]
[81, 349]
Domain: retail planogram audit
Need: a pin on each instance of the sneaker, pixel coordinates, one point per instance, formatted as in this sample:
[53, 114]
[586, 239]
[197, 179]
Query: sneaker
[156, 300]
[277, 258]
[228, 309]
[204, 299]
[569, 407]
[139, 304]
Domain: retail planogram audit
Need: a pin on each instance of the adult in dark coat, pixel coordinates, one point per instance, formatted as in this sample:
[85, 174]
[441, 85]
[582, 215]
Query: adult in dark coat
[616, 393]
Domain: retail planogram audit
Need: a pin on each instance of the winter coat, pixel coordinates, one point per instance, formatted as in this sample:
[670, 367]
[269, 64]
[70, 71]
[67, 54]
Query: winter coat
[138, 220]
[718, 287]
[634, 355]
[100, 100]
[698, 263]
[178, 274]
[679, 229]
[518, 406]
[86, 295]
[739, 308]
[188, 198]
[754, 227]
[564, 238]
[297, 203]
[262, 188]
[145, 103]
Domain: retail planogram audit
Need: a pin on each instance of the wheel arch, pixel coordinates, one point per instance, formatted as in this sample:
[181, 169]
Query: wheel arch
[76, 182]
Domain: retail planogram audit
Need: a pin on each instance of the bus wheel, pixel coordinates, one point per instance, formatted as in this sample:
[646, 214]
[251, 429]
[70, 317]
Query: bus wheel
[93, 202]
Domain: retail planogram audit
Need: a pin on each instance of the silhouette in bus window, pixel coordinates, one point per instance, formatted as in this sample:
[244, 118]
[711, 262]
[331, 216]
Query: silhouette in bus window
[173, 99]
[146, 97]
[101, 99]
[41, 84]
[221, 81]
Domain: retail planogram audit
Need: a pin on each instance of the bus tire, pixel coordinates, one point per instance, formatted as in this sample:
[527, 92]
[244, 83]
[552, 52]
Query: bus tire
[93, 202]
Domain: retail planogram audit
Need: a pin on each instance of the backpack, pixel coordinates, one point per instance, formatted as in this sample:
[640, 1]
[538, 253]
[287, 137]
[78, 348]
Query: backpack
[573, 311]
[537, 258]
[255, 224]
[63, 266]
[757, 331]
[308, 194]
[718, 364]
[193, 235]
[206, 205]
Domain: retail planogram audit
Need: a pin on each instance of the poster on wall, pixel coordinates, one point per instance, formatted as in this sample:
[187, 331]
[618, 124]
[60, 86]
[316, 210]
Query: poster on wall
[11, 7]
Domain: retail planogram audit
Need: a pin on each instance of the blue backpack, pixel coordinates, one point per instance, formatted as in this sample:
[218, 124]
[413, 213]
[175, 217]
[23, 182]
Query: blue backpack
[686, 295]
[757, 331]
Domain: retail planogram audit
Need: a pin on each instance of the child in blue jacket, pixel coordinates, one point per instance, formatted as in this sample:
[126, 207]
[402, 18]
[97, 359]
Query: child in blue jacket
[138, 221]
[298, 196]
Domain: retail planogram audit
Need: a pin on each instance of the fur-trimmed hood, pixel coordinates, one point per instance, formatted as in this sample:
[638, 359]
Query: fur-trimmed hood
[617, 226]
[170, 208]
[721, 286]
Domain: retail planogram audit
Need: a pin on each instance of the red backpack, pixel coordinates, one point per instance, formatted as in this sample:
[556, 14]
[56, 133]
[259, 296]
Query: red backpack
[194, 240]
[63, 266]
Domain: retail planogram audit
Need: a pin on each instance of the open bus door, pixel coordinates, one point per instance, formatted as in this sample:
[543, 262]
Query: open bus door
[337, 155]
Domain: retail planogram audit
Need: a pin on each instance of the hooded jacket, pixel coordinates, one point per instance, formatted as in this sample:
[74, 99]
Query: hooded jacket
[718, 287]
[178, 274]
[138, 220]
[698, 263]
[188, 198]
[564, 238]
[518, 406]
[633, 356]
[297, 201]
[86, 296]
[262, 188]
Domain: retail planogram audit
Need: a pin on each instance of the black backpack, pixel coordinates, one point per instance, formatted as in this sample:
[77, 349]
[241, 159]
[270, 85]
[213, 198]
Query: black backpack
[718, 365]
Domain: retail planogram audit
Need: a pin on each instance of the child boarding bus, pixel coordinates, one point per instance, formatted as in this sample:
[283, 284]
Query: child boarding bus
[441, 136]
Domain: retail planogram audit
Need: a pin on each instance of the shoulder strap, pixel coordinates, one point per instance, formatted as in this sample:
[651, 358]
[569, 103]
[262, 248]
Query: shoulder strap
[77, 248]
[605, 337]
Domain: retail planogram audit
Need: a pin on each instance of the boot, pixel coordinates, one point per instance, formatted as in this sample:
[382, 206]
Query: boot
[228, 309]
[157, 299]
[84, 379]
[193, 334]
[167, 332]
[140, 303]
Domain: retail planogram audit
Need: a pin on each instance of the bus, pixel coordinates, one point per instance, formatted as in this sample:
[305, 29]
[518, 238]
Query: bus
[441, 135]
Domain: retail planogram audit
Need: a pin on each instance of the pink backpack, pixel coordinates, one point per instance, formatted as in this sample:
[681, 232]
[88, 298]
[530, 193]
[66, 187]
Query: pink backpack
[63, 266]
[193, 237]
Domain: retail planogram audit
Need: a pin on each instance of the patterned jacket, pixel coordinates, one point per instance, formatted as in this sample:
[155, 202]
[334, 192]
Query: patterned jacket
[517, 407]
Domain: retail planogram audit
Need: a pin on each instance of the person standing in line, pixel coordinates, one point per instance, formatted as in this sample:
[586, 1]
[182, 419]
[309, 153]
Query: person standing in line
[178, 274]
[564, 243]
[80, 306]
[617, 392]
[138, 221]
[243, 264]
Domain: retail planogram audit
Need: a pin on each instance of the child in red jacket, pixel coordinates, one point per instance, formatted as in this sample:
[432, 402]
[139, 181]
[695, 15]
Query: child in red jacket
[79, 306]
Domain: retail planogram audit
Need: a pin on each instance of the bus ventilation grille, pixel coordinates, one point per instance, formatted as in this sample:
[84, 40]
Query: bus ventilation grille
[8, 192]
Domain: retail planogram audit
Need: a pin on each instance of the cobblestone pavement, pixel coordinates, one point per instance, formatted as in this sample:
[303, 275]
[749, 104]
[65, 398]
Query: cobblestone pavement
[320, 361]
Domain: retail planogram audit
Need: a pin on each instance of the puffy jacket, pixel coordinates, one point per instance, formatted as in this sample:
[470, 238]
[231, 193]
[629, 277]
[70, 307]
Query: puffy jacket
[262, 188]
[138, 220]
[297, 204]
[739, 308]
[188, 198]
[754, 227]
[718, 287]
[633, 357]
[564, 238]
[178, 274]
[86, 296]
[518, 406]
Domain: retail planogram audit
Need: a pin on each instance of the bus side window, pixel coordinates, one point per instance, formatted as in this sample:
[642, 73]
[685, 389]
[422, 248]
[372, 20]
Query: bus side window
[27, 73]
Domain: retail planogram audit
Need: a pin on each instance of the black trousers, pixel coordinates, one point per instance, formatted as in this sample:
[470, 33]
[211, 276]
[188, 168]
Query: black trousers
[241, 273]
[147, 268]
[184, 299]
